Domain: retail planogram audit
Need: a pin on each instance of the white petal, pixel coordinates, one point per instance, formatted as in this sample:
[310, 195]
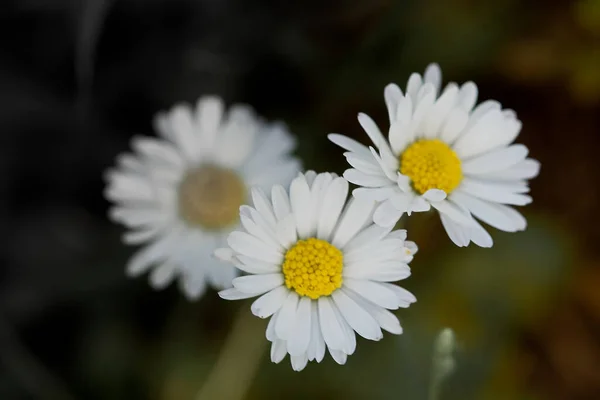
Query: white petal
[348, 144]
[258, 284]
[338, 356]
[433, 75]
[254, 266]
[439, 112]
[384, 318]
[286, 318]
[278, 351]
[496, 160]
[456, 213]
[300, 200]
[369, 166]
[269, 303]
[316, 347]
[361, 179]
[505, 193]
[405, 298]
[386, 215]
[434, 195]
[358, 319]
[162, 276]
[372, 130]
[526, 169]
[152, 253]
[209, 112]
[299, 362]
[497, 215]
[457, 233]
[331, 329]
[371, 234]
[250, 246]
[374, 292]
[392, 95]
[355, 216]
[234, 294]
[260, 233]
[263, 206]
[299, 338]
[467, 96]
[413, 85]
[374, 194]
[331, 207]
[454, 125]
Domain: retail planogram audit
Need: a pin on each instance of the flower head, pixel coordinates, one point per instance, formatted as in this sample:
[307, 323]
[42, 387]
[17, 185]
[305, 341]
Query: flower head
[180, 193]
[321, 268]
[443, 152]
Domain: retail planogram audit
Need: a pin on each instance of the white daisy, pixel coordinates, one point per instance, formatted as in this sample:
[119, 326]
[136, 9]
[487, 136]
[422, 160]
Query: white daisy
[181, 193]
[321, 268]
[443, 153]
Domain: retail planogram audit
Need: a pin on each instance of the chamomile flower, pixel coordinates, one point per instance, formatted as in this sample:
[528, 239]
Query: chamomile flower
[441, 152]
[321, 268]
[180, 193]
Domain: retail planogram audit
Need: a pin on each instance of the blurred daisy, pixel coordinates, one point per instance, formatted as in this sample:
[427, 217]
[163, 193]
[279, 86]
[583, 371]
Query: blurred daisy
[181, 193]
[443, 153]
[320, 267]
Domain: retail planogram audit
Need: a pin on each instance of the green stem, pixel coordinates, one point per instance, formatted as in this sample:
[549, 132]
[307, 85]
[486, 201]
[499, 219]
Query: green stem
[238, 362]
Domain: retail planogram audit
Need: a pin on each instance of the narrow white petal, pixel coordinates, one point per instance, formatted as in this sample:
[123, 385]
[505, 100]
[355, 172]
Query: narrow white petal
[263, 206]
[281, 202]
[299, 362]
[392, 95]
[374, 292]
[254, 266]
[454, 125]
[349, 144]
[250, 246]
[358, 319]
[456, 213]
[433, 75]
[374, 194]
[234, 294]
[526, 169]
[505, 193]
[286, 317]
[258, 284]
[386, 215]
[270, 302]
[467, 96]
[405, 298]
[361, 179]
[162, 276]
[331, 207]
[496, 160]
[372, 130]
[331, 329]
[278, 351]
[355, 216]
[434, 195]
[300, 199]
[300, 336]
[497, 215]
[338, 356]
[457, 233]
[413, 85]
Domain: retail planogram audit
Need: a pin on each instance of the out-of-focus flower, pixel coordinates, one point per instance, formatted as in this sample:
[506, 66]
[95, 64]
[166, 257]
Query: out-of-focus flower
[321, 267]
[182, 192]
[443, 153]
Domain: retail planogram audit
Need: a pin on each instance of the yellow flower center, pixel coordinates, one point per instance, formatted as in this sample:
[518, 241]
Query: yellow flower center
[431, 164]
[210, 196]
[313, 268]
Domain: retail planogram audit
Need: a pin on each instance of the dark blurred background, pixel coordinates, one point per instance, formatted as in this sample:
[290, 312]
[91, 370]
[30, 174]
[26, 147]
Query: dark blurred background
[78, 78]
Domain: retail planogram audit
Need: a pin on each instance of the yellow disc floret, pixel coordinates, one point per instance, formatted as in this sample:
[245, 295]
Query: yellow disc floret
[431, 164]
[313, 268]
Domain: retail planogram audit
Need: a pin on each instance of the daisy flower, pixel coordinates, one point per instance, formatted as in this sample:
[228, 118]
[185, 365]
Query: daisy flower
[321, 268]
[443, 152]
[180, 193]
